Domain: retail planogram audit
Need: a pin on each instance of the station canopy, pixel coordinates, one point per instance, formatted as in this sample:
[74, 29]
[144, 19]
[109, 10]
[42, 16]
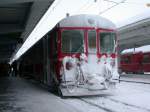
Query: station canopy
[118, 11]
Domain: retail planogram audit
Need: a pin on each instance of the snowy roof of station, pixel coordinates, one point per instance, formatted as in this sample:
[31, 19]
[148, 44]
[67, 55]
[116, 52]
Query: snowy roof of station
[143, 49]
[85, 20]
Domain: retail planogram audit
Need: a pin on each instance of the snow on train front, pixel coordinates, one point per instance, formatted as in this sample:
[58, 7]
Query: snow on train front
[88, 54]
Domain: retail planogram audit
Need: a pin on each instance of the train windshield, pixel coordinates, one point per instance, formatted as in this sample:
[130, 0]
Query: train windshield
[107, 42]
[92, 41]
[72, 41]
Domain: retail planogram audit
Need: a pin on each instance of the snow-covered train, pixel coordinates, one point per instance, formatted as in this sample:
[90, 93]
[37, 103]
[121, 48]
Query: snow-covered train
[81, 56]
[136, 60]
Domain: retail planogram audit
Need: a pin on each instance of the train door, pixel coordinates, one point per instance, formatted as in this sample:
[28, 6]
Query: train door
[136, 63]
[126, 63]
[92, 46]
[146, 62]
[52, 57]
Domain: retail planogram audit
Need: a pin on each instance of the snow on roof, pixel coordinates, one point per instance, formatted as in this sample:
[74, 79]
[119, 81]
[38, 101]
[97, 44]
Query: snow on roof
[85, 20]
[134, 19]
[143, 49]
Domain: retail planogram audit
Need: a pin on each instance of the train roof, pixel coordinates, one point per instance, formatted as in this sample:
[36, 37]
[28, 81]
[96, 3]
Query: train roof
[143, 49]
[85, 20]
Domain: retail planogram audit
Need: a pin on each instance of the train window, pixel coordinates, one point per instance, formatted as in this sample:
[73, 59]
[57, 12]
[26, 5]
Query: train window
[72, 41]
[126, 59]
[92, 41]
[107, 42]
[146, 59]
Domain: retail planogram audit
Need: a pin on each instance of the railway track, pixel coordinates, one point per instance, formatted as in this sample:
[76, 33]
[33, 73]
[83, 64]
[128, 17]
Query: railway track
[96, 105]
[112, 105]
[117, 103]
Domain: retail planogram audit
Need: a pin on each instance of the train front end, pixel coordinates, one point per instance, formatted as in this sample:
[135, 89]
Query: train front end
[88, 56]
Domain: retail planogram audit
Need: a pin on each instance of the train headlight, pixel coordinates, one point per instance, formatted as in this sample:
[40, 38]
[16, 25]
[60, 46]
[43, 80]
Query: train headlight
[69, 65]
[69, 62]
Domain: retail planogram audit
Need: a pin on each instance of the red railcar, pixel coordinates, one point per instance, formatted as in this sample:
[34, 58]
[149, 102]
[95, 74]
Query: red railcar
[83, 55]
[136, 61]
[80, 57]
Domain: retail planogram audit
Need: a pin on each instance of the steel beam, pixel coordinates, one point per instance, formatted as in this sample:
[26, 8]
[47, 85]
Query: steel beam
[37, 11]
[10, 28]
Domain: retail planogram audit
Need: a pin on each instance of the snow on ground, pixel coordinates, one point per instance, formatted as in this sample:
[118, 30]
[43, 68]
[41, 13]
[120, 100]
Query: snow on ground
[82, 106]
[24, 96]
[145, 78]
[19, 95]
[127, 97]
[134, 94]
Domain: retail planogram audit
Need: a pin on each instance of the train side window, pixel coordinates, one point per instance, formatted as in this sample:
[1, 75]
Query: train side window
[92, 41]
[146, 59]
[72, 41]
[126, 59]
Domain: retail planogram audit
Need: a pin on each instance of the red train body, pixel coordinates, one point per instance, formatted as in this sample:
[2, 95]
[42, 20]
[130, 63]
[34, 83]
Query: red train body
[80, 57]
[135, 62]
[83, 53]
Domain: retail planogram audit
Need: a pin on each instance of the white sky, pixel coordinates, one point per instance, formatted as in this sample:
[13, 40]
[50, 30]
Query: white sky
[118, 14]
[58, 10]
[127, 10]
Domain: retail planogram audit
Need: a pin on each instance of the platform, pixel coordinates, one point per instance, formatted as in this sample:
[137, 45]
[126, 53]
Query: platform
[137, 78]
[20, 95]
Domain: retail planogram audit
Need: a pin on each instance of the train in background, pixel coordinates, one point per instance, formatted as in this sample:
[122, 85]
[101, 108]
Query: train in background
[136, 60]
[82, 56]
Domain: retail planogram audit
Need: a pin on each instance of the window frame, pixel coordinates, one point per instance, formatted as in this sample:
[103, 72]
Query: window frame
[99, 37]
[95, 41]
[83, 41]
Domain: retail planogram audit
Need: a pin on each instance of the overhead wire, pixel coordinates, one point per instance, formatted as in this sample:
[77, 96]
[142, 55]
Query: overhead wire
[85, 6]
[132, 3]
[110, 1]
[116, 4]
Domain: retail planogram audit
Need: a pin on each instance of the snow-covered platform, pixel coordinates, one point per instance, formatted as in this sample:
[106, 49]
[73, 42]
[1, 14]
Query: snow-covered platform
[20, 95]
[137, 78]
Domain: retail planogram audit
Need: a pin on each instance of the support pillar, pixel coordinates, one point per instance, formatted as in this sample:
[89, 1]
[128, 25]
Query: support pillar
[47, 76]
